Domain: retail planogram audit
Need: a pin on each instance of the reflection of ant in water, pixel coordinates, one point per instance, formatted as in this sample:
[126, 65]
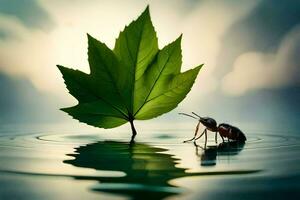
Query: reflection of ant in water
[225, 130]
[209, 155]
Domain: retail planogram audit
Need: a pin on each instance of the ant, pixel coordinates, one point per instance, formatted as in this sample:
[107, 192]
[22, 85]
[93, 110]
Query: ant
[225, 130]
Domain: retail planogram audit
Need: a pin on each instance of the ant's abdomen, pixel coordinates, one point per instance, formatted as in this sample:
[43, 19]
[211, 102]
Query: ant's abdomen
[231, 132]
[241, 137]
[224, 133]
[237, 134]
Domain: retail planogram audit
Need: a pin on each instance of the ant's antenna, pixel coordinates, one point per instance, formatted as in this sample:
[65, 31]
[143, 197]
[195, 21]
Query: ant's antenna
[187, 115]
[197, 115]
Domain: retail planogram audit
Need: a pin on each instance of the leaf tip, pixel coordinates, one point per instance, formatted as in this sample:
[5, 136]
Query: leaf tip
[146, 12]
[147, 9]
[92, 40]
[89, 37]
[60, 67]
[64, 110]
[198, 68]
[201, 65]
[179, 39]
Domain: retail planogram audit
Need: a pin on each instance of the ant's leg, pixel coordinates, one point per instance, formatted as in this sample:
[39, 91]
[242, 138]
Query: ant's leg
[222, 138]
[205, 138]
[200, 135]
[196, 131]
[197, 148]
[216, 137]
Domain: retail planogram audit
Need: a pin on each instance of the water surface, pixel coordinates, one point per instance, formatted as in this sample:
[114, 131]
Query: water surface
[77, 165]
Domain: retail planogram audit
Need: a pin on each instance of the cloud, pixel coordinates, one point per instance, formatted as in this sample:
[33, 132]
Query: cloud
[34, 53]
[27, 53]
[258, 70]
[260, 30]
[204, 30]
[23, 11]
[21, 102]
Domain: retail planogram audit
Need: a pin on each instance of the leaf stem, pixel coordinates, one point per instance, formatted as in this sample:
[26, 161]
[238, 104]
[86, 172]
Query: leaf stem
[133, 131]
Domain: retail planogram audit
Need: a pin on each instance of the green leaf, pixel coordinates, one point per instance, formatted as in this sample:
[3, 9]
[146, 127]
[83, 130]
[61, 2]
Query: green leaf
[165, 100]
[135, 80]
[136, 48]
[94, 108]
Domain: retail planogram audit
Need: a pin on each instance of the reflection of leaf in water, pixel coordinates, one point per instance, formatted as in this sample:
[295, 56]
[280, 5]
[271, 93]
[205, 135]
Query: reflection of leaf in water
[148, 169]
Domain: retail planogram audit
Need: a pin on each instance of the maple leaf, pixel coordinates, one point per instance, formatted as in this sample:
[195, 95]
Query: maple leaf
[134, 81]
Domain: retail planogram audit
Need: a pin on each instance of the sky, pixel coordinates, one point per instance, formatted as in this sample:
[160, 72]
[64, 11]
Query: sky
[249, 49]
